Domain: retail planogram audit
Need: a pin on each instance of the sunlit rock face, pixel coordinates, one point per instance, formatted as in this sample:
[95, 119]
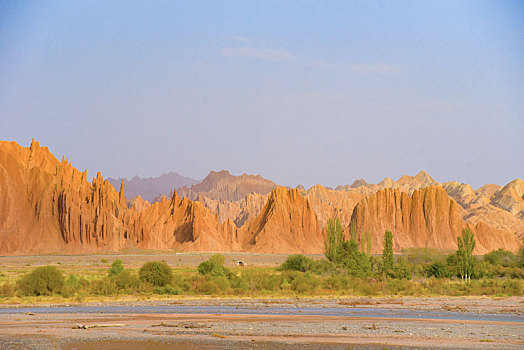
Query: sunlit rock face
[48, 206]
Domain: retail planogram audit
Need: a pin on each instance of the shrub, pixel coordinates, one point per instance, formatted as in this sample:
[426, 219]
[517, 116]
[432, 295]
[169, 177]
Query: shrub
[512, 287]
[323, 267]
[7, 290]
[500, 257]
[337, 282]
[402, 269]
[240, 283]
[305, 283]
[104, 286]
[158, 273]
[437, 270]
[207, 287]
[180, 283]
[70, 287]
[355, 262]
[44, 280]
[214, 267]
[126, 280]
[170, 290]
[297, 262]
[223, 284]
[116, 268]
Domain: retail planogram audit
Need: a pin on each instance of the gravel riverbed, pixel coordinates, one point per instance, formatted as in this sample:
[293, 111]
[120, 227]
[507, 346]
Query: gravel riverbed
[43, 329]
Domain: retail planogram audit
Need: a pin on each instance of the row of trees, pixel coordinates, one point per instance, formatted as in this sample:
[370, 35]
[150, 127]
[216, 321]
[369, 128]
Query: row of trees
[346, 254]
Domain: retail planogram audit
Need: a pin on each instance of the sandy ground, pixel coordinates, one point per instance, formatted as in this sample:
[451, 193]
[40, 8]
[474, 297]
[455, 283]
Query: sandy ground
[132, 260]
[223, 331]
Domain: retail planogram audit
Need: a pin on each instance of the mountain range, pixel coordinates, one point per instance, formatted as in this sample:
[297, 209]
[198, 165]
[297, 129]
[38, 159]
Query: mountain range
[47, 206]
[150, 188]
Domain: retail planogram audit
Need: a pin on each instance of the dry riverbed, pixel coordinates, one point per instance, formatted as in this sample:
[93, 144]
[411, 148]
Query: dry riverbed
[43, 328]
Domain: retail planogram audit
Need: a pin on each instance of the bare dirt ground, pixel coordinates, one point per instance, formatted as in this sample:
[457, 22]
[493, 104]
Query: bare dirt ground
[137, 259]
[37, 330]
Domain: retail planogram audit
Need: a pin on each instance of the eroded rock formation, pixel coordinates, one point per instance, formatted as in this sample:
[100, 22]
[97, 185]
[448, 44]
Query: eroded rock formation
[286, 224]
[427, 218]
[47, 206]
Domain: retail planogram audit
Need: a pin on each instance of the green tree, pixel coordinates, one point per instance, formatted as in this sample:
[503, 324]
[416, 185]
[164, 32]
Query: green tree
[465, 258]
[437, 269]
[214, 267]
[334, 240]
[368, 243]
[44, 280]
[157, 273]
[387, 254]
[354, 261]
[116, 268]
[353, 230]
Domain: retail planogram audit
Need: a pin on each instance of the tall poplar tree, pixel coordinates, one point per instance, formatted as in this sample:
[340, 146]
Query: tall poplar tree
[387, 253]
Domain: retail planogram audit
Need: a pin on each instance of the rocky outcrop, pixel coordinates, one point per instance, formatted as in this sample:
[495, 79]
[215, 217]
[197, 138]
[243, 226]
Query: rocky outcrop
[186, 225]
[335, 203]
[223, 186]
[511, 198]
[47, 206]
[239, 212]
[286, 224]
[427, 218]
[463, 194]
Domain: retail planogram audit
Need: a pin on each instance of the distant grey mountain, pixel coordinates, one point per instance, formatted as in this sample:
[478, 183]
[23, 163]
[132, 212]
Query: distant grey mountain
[151, 187]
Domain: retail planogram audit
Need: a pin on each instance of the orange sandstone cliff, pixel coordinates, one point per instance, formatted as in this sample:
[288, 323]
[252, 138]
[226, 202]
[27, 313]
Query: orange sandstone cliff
[286, 224]
[428, 218]
[47, 206]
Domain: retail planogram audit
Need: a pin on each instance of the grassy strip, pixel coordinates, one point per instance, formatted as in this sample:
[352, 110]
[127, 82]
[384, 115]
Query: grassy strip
[86, 284]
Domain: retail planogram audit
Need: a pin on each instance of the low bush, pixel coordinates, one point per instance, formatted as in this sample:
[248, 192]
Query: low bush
[214, 267]
[70, 287]
[305, 283]
[103, 286]
[297, 262]
[437, 270]
[7, 290]
[337, 282]
[126, 280]
[116, 268]
[45, 280]
[500, 257]
[157, 273]
[168, 289]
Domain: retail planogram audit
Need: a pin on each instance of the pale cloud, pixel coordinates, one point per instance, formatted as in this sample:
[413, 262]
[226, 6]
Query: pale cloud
[241, 39]
[271, 55]
[373, 68]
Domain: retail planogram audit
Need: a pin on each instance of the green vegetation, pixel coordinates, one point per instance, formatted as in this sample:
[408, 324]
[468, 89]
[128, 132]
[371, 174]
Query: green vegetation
[346, 271]
[214, 267]
[157, 273]
[334, 241]
[44, 280]
[465, 259]
[116, 268]
[387, 254]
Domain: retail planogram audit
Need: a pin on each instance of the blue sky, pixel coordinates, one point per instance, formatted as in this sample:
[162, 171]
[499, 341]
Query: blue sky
[301, 92]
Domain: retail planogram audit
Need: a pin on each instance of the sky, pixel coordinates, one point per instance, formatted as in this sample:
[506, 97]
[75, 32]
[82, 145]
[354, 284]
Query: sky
[300, 92]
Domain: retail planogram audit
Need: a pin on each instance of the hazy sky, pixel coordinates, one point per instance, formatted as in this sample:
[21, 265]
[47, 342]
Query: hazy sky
[301, 92]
